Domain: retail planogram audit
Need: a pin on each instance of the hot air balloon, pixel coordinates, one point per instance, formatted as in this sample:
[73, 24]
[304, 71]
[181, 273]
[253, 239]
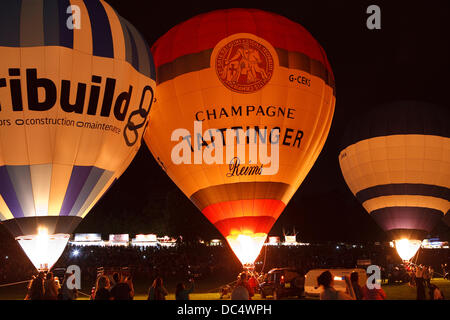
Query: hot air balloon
[396, 161]
[231, 85]
[76, 85]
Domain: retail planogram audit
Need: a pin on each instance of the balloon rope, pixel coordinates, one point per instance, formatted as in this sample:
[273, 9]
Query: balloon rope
[265, 254]
[13, 283]
[219, 288]
[85, 294]
[417, 256]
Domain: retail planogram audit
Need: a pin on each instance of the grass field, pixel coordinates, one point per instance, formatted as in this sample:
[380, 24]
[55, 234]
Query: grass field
[405, 292]
[394, 292]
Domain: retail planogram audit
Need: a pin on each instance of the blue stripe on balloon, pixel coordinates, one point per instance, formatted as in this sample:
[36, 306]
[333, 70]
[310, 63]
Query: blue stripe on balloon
[8, 193]
[10, 23]
[21, 181]
[91, 182]
[393, 189]
[152, 63]
[415, 218]
[77, 180]
[134, 50]
[102, 41]
[128, 49]
[51, 25]
[144, 64]
[102, 182]
[65, 33]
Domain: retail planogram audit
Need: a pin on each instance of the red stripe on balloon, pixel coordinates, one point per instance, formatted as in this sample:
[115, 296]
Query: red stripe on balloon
[214, 26]
[243, 225]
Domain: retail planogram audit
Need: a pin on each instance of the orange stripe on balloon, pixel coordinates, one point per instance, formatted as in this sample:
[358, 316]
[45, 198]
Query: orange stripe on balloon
[238, 209]
[239, 191]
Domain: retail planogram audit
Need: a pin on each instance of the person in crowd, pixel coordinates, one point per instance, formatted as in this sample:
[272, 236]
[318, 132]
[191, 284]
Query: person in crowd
[445, 271]
[435, 292]
[325, 280]
[58, 284]
[412, 277]
[253, 283]
[51, 287]
[68, 291]
[242, 290]
[181, 293]
[384, 275]
[373, 293]
[431, 272]
[27, 296]
[262, 277]
[123, 288]
[157, 290]
[225, 292]
[420, 284]
[426, 276]
[354, 278]
[102, 289]
[36, 289]
[239, 292]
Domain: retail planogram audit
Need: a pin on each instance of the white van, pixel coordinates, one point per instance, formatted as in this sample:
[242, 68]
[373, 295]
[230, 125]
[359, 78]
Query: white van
[312, 287]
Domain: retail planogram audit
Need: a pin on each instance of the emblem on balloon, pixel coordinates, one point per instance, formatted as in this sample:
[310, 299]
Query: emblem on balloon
[244, 65]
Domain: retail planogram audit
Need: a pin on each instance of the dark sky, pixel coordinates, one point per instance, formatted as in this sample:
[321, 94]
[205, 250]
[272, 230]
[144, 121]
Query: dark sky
[407, 59]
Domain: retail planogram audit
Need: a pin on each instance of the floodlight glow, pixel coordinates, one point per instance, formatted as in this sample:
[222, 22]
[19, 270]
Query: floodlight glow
[43, 249]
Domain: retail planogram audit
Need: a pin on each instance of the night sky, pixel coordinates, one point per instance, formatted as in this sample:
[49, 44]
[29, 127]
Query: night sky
[407, 59]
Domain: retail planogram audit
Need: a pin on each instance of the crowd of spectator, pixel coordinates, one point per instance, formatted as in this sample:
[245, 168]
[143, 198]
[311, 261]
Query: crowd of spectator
[199, 261]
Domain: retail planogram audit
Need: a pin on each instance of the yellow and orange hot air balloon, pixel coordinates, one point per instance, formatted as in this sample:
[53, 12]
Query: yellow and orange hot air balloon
[396, 161]
[244, 104]
[76, 85]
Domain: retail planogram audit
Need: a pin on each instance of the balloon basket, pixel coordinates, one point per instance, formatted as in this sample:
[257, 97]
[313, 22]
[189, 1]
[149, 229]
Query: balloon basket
[250, 267]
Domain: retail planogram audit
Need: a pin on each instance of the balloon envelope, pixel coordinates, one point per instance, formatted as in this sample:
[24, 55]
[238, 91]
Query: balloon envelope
[396, 161]
[74, 98]
[245, 100]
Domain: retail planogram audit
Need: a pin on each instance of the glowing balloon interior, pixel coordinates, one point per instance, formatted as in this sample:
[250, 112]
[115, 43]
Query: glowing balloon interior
[245, 100]
[74, 105]
[406, 248]
[43, 249]
[246, 246]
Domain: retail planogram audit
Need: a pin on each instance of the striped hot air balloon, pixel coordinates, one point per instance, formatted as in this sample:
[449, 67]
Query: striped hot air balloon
[76, 85]
[396, 161]
[229, 72]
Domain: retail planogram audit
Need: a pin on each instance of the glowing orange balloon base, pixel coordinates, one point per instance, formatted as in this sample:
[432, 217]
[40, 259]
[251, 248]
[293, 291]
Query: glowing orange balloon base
[43, 249]
[246, 246]
[406, 248]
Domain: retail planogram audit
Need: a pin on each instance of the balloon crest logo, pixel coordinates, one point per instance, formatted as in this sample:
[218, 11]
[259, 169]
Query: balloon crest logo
[244, 65]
